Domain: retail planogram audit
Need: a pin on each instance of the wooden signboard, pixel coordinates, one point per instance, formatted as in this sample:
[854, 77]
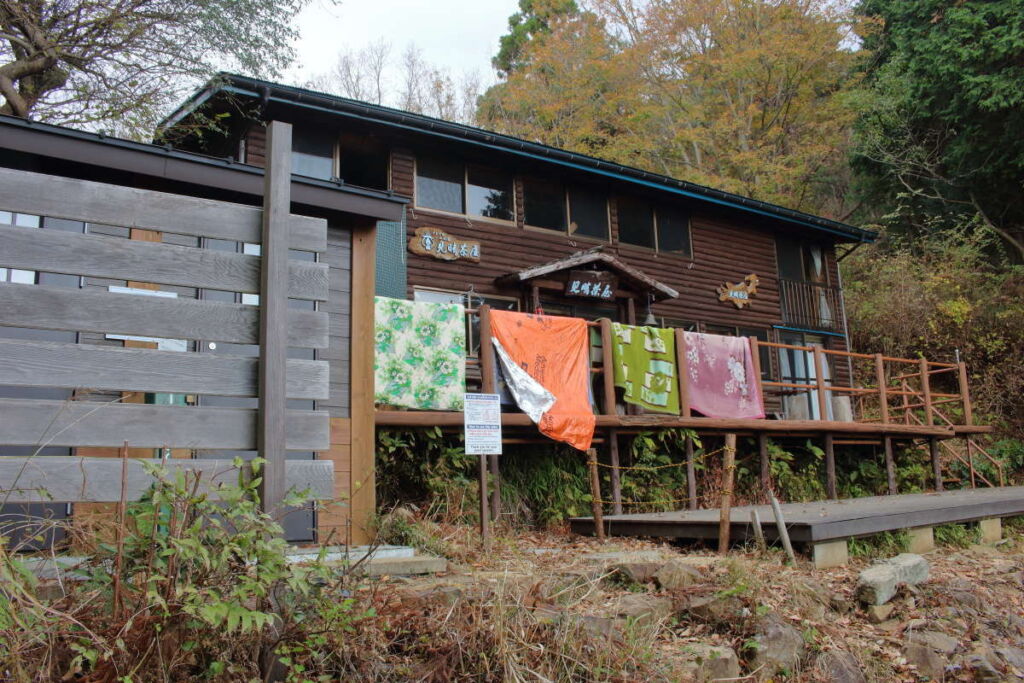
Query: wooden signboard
[591, 284]
[739, 295]
[439, 244]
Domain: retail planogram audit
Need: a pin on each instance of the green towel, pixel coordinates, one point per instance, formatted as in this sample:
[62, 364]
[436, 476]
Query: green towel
[644, 359]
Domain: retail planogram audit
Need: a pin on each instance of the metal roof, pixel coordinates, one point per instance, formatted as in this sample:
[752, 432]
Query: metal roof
[267, 91]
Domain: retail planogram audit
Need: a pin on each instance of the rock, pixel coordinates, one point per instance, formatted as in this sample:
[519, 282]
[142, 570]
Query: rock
[940, 642]
[645, 609]
[635, 572]
[779, 646]
[713, 662]
[624, 556]
[840, 603]
[716, 609]
[674, 575]
[877, 584]
[841, 667]
[1012, 656]
[983, 670]
[971, 600]
[879, 613]
[928, 662]
[599, 626]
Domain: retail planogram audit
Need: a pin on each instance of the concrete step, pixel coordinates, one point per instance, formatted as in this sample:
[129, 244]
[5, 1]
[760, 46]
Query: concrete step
[403, 566]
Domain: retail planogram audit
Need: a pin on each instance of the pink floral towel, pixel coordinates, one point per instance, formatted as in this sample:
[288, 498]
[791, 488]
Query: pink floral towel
[721, 376]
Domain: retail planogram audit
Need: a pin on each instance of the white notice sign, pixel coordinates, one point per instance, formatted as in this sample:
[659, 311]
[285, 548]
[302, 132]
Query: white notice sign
[483, 424]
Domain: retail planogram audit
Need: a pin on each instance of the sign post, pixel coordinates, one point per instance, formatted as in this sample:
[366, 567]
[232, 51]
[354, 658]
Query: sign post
[482, 426]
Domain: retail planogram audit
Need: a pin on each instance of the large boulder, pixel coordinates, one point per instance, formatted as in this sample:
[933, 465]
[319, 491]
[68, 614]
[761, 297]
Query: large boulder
[640, 608]
[927, 661]
[674, 575]
[877, 584]
[779, 646]
[839, 666]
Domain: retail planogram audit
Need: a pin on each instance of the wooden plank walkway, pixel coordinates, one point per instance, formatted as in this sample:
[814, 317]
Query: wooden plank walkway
[823, 520]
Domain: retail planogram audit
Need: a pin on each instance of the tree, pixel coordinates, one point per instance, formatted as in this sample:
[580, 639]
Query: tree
[533, 19]
[124, 63]
[942, 139]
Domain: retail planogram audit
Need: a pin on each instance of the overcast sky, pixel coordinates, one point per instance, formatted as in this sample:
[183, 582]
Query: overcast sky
[460, 35]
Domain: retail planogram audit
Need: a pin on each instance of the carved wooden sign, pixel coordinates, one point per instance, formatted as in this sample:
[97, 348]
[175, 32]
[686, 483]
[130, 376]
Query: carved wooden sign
[739, 295]
[439, 244]
[591, 284]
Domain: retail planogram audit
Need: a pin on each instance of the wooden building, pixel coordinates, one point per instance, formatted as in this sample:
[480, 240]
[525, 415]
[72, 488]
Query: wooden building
[496, 222]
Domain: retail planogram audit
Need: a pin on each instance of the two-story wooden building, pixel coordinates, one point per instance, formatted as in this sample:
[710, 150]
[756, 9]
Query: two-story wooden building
[508, 223]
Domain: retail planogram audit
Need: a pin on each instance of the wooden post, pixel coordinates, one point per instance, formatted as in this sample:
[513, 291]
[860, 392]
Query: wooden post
[819, 378]
[728, 472]
[607, 368]
[830, 467]
[755, 361]
[933, 447]
[487, 387]
[595, 493]
[926, 392]
[762, 453]
[684, 378]
[780, 524]
[965, 394]
[755, 521]
[613, 457]
[277, 181]
[883, 395]
[485, 527]
[631, 311]
[890, 466]
[691, 476]
[363, 435]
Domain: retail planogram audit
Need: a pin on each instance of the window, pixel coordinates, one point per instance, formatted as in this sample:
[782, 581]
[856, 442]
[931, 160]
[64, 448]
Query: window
[544, 205]
[588, 213]
[489, 193]
[797, 367]
[673, 230]
[800, 261]
[313, 153]
[362, 162]
[636, 222]
[439, 184]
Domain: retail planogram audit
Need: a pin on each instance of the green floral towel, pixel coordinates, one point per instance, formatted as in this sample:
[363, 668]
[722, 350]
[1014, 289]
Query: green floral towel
[644, 359]
[420, 359]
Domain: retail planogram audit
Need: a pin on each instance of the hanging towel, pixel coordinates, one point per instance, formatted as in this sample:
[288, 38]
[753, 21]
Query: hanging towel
[644, 359]
[420, 359]
[555, 352]
[721, 378]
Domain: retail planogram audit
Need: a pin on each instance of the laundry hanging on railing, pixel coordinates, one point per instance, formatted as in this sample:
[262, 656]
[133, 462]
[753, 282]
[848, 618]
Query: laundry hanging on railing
[555, 353]
[420, 354]
[721, 376]
[644, 359]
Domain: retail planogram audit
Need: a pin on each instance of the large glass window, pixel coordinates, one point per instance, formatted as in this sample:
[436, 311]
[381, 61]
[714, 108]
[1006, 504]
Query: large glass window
[588, 213]
[673, 230]
[489, 193]
[362, 162]
[544, 204]
[439, 184]
[313, 153]
[636, 222]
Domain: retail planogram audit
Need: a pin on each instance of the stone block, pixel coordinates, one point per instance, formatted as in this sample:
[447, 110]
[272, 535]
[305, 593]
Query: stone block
[841, 667]
[644, 609]
[713, 662]
[779, 646]
[879, 613]
[922, 539]
[878, 583]
[674, 575]
[830, 554]
[991, 530]
[926, 660]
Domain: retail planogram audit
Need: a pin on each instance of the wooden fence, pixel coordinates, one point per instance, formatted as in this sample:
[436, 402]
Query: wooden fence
[271, 376]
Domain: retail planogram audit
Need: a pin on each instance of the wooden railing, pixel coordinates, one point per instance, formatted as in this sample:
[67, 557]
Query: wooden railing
[811, 305]
[884, 389]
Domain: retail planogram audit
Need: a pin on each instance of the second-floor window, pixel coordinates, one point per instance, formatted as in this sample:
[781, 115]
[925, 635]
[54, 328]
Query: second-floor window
[464, 188]
[801, 261]
[313, 153]
[577, 210]
[643, 224]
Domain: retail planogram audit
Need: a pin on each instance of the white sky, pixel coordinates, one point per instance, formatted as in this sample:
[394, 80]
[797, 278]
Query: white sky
[459, 35]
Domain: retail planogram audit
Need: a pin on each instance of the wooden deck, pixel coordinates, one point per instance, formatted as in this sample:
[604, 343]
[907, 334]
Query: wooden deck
[824, 520]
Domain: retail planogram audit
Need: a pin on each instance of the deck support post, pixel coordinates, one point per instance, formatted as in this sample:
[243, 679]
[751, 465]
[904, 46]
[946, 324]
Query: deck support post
[830, 467]
[762, 452]
[933, 448]
[613, 457]
[595, 494]
[922, 540]
[926, 392]
[691, 475]
[728, 472]
[830, 554]
[991, 529]
[890, 466]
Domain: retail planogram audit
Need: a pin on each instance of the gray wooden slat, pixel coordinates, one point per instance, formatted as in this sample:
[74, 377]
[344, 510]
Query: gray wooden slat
[70, 479]
[92, 202]
[91, 423]
[56, 251]
[80, 310]
[45, 364]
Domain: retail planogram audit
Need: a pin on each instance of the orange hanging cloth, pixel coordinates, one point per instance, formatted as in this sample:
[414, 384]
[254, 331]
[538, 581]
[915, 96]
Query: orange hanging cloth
[554, 351]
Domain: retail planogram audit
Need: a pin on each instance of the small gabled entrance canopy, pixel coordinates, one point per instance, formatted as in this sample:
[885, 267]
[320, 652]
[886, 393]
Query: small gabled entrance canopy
[556, 274]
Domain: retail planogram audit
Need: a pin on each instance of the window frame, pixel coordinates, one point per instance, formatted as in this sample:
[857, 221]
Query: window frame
[656, 211]
[465, 196]
[334, 162]
[567, 204]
